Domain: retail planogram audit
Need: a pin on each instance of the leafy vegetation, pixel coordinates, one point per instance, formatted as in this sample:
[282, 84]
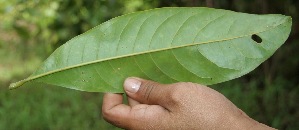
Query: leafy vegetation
[31, 30]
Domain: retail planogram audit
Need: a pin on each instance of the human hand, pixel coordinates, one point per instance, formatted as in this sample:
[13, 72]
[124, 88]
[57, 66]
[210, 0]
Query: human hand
[173, 106]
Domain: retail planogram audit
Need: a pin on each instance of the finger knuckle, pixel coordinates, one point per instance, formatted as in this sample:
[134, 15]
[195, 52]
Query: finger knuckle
[180, 91]
[106, 114]
[176, 92]
[148, 88]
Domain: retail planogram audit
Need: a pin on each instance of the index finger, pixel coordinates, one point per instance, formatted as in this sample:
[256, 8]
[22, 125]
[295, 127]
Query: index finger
[114, 111]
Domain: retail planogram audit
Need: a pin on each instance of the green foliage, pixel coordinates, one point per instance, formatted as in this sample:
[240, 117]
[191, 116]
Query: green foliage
[201, 45]
[269, 94]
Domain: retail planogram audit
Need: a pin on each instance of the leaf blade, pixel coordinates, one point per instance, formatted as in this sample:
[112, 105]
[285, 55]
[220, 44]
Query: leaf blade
[109, 47]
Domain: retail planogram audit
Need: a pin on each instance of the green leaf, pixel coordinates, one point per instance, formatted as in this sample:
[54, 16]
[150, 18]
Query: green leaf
[167, 45]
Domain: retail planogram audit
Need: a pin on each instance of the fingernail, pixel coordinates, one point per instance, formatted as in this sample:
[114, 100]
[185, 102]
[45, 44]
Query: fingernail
[132, 85]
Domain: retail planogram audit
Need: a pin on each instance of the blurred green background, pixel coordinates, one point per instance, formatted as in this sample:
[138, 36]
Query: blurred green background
[31, 29]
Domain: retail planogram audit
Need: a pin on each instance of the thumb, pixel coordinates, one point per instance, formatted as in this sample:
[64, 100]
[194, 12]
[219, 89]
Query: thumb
[148, 92]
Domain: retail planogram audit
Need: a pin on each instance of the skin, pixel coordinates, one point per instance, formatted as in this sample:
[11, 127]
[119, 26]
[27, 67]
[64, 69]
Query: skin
[183, 106]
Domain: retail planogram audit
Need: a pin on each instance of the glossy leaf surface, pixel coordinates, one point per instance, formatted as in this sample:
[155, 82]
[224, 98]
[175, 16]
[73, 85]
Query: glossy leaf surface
[167, 45]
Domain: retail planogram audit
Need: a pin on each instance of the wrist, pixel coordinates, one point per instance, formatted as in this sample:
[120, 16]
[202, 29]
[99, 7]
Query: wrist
[245, 122]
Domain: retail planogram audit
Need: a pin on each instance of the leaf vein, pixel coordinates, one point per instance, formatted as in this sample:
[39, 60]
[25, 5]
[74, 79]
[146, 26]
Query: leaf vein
[139, 31]
[97, 71]
[149, 45]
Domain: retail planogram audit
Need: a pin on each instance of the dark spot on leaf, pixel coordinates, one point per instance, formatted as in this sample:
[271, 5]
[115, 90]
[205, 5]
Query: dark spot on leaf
[256, 38]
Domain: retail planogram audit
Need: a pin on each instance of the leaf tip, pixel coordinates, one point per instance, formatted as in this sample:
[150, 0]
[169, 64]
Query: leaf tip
[17, 84]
